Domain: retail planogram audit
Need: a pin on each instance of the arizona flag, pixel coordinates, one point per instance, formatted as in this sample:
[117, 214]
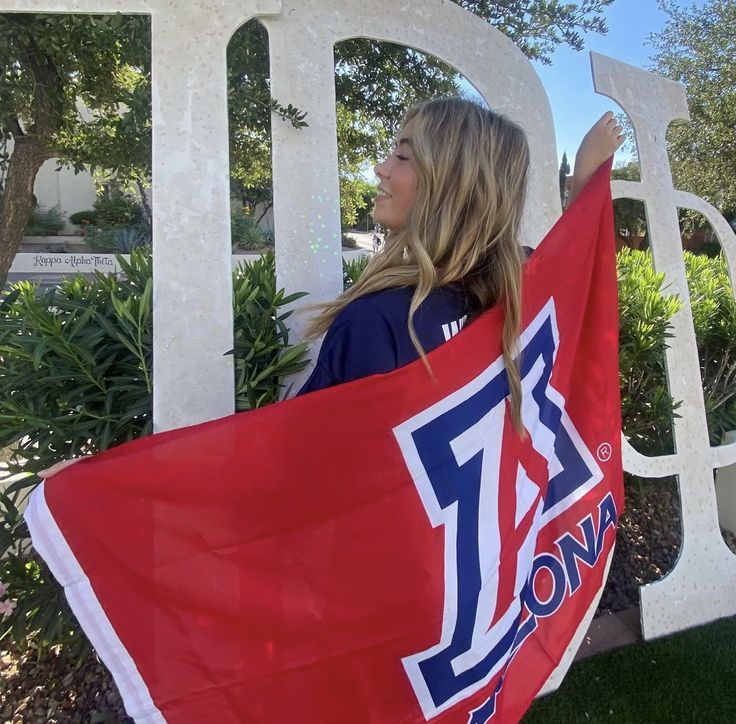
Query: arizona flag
[385, 551]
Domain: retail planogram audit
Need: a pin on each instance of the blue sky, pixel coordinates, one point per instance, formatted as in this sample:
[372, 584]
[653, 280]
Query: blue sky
[569, 84]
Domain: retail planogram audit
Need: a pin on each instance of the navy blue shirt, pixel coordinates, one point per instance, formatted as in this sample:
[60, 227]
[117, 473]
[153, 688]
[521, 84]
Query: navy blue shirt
[371, 335]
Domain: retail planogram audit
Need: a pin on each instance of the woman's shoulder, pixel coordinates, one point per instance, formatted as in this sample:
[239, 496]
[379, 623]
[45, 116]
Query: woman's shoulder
[370, 334]
[393, 304]
[385, 315]
[386, 304]
[361, 341]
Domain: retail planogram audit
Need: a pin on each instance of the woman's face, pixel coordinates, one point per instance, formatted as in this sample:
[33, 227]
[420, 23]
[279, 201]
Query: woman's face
[398, 183]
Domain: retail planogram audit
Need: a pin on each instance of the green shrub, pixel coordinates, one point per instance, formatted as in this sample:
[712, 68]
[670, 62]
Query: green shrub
[75, 378]
[117, 210]
[351, 270]
[645, 314]
[84, 218]
[116, 225]
[263, 356]
[245, 232]
[714, 318]
[644, 324]
[44, 222]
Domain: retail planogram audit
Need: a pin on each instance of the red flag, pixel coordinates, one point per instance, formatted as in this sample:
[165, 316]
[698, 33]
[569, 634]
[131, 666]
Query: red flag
[384, 551]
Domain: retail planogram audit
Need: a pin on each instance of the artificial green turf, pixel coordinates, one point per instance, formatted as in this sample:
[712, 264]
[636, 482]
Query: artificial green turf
[688, 677]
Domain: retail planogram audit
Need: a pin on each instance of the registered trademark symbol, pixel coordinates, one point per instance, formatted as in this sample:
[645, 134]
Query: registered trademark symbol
[604, 452]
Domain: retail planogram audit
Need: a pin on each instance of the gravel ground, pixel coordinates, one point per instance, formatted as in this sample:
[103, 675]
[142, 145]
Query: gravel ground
[647, 544]
[50, 691]
[5, 453]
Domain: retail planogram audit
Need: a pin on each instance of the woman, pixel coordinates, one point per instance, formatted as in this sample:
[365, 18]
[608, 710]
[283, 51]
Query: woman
[452, 196]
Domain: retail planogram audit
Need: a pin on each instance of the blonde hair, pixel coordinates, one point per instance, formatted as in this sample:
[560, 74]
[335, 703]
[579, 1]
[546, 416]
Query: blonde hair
[463, 226]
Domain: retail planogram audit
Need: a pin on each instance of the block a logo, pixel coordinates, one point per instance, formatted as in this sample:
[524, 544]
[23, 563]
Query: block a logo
[487, 488]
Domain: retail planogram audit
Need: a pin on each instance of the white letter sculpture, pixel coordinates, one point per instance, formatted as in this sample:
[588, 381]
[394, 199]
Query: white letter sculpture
[702, 585]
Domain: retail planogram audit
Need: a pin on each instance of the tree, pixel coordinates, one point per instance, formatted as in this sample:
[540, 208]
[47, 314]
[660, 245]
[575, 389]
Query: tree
[697, 47]
[49, 64]
[539, 26]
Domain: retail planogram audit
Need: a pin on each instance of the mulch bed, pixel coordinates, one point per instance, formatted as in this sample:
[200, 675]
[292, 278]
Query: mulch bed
[647, 543]
[50, 691]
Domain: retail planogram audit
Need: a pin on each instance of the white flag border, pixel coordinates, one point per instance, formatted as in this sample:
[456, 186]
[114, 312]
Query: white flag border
[51, 545]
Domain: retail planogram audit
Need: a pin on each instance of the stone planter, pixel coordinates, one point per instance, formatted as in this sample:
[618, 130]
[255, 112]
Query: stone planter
[53, 244]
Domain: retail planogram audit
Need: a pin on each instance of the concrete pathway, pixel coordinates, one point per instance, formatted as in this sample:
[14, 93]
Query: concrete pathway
[611, 631]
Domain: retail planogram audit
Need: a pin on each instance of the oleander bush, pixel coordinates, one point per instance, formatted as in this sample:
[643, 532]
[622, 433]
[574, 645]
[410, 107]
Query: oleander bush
[263, 354]
[714, 317]
[75, 378]
[645, 315]
[352, 269]
[644, 323]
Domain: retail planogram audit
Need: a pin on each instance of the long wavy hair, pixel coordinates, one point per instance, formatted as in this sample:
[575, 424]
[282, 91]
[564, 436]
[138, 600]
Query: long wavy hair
[463, 227]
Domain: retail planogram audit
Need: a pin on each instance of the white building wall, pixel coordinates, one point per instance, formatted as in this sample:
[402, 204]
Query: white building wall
[63, 188]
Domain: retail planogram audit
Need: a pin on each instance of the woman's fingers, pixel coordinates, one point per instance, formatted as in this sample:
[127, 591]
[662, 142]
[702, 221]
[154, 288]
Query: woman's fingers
[610, 123]
[598, 145]
[57, 468]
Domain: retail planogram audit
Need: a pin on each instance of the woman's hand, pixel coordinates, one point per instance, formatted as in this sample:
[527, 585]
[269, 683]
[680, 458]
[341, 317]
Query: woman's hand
[57, 468]
[599, 144]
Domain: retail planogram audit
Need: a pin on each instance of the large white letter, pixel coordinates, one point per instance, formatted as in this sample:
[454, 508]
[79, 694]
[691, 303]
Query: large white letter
[702, 585]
